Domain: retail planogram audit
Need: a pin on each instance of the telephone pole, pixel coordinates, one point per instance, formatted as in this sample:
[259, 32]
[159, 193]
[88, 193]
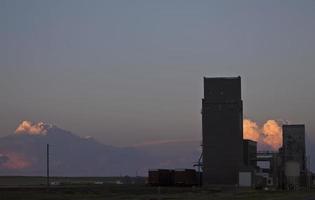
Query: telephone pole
[47, 165]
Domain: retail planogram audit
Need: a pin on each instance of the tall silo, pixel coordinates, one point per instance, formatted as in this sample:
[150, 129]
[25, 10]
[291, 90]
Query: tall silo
[222, 130]
[292, 174]
[294, 150]
[294, 144]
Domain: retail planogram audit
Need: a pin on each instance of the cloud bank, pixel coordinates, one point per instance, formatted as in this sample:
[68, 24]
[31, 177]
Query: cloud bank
[269, 134]
[28, 127]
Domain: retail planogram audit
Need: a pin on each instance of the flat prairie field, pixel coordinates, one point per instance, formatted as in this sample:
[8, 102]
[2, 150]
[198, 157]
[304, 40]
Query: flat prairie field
[33, 188]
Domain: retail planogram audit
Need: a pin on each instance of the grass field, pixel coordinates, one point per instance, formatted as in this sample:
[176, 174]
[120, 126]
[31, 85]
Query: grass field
[82, 191]
[38, 180]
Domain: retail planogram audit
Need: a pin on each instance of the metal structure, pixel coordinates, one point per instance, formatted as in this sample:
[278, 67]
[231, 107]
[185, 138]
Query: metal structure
[222, 130]
[250, 153]
[199, 166]
[272, 172]
[287, 168]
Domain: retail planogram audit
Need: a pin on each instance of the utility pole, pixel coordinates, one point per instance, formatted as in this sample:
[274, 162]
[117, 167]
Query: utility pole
[308, 165]
[309, 176]
[47, 156]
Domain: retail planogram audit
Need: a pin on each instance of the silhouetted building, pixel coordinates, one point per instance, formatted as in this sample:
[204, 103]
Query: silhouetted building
[250, 153]
[294, 144]
[294, 162]
[222, 130]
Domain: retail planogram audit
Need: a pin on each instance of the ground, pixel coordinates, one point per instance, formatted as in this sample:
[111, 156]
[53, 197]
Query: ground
[112, 191]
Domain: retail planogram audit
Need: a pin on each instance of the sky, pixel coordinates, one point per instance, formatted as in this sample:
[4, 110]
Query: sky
[129, 72]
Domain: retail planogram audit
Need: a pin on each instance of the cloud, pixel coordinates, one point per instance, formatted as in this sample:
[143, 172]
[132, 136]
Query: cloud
[28, 127]
[272, 132]
[269, 134]
[13, 160]
[3, 159]
[250, 130]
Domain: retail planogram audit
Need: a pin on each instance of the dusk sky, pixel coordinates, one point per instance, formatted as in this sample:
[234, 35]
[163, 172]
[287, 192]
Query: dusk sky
[129, 72]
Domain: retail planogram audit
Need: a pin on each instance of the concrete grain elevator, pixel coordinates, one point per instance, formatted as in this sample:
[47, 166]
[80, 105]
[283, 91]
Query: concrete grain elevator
[222, 130]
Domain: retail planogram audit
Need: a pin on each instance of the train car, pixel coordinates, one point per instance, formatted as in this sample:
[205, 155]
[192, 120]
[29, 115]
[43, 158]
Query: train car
[185, 177]
[161, 177]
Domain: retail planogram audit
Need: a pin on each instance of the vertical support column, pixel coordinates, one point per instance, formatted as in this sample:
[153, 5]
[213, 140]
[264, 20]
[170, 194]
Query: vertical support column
[47, 165]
